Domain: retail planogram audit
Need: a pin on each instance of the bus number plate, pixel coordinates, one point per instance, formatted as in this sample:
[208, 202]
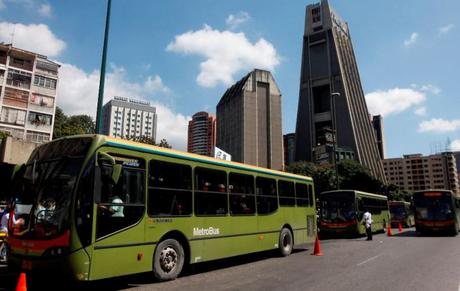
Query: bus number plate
[27, 265]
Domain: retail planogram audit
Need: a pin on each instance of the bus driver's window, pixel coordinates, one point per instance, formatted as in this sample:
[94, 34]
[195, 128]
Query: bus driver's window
[122, 204]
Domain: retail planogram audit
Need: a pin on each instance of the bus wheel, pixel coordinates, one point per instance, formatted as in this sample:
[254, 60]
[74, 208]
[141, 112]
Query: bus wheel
[168, 260]
[285, 242]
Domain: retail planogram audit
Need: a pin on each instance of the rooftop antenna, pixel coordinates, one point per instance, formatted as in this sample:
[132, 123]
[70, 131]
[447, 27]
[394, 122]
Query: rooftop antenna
[12, 34]
[448, 142]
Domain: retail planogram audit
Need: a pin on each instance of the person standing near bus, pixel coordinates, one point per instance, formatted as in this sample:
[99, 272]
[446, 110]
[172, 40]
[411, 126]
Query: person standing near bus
[368, 224]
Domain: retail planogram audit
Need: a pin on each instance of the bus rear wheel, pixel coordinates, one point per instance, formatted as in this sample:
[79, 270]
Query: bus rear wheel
[286, 242]
[168, 260]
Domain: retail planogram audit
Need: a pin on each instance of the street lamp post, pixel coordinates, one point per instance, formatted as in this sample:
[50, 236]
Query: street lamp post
[334, 132]
[102, 77]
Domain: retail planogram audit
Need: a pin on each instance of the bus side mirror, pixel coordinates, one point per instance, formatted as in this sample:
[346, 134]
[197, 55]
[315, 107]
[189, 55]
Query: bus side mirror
[116, 173]
[116, 168]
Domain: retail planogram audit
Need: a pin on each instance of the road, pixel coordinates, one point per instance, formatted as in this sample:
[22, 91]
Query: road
[400, 262]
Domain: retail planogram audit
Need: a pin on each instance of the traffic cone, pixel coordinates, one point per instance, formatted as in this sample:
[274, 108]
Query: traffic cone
[400, 227]
[22, 283]
[317, 251]
[389, 230]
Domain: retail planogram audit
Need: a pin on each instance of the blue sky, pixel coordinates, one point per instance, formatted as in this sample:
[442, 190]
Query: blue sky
[182, 55]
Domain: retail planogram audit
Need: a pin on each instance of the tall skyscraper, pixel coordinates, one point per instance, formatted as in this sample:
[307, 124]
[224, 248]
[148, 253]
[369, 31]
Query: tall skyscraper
[129, 118]
[289, 148]
[377, 124]
[329, 67]
[249, 121]
[27, 94]
[201, 134]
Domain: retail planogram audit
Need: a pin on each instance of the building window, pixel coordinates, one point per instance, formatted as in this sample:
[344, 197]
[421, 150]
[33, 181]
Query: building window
[44, 82]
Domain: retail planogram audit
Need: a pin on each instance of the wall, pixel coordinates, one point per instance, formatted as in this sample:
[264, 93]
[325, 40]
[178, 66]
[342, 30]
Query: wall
[14, 151]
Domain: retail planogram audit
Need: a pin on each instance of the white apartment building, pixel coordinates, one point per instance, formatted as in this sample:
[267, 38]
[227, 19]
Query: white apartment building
[27, 94]
[129, 118]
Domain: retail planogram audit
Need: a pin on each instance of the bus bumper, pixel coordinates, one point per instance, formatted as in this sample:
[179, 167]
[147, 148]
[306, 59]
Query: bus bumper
[74, 266]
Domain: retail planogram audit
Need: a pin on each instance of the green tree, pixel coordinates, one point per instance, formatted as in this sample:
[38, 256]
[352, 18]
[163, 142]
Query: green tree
[83, 124]
[302, 168]
[4, 134]
[143, 139]
[164, 143]
[323, 177]
[72, 125]
[148, 140]
[59, 120]
[355, 176]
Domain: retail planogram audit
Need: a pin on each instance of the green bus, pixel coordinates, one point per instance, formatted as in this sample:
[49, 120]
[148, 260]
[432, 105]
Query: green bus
[100, 207]
[401, 213]
[341, 212]
[436, 211]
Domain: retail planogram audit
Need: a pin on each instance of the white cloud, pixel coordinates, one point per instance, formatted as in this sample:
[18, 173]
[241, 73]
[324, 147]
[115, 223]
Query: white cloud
[430, 89]
[226, 53]
[455, 145]
[33, 37]
[446, 29]
[45, 10]
[233, 21]
[439, 125]
[393, 100]
[412, 39]
[421, 111]
[78, 91]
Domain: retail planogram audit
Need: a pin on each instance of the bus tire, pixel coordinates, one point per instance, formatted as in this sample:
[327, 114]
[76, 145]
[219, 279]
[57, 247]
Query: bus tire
[168, 260]
[286, 242]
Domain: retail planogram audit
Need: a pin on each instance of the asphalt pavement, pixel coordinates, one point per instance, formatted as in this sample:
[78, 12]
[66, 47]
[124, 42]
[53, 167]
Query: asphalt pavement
[401, 262]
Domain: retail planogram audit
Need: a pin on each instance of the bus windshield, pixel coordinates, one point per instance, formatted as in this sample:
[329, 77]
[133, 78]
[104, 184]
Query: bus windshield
[43, 189]
[398, 211]
[434, 208]
[339, 207]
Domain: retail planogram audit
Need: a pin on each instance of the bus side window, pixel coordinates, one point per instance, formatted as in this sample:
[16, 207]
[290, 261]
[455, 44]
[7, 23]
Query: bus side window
[287, 193]
[210, 192]
[311, 195]
[266, 195]
[242, 198]
[170, 189]
[301, 194]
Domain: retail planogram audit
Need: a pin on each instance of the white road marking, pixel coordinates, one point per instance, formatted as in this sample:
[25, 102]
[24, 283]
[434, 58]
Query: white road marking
[370, 259]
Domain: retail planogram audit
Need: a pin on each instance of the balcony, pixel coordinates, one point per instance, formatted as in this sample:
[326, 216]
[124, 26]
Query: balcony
[19, 79]
[14, 97]
[41, 103]
[39, 121]
[20, 63]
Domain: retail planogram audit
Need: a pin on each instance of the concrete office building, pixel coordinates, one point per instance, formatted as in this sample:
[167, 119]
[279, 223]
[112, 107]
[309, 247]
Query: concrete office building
[129, 118]
[289, 148]
[27, 94]
[418, 172]
[202, 134]
[329, 67]
[249, 121]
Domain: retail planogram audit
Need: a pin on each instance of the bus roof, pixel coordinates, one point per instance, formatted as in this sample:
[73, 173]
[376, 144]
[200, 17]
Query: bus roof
[398, 203]
[121, 143]
[361, 193]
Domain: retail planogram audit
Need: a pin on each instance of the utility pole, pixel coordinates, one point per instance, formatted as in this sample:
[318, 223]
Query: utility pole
[334, 133]
[100, 98]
